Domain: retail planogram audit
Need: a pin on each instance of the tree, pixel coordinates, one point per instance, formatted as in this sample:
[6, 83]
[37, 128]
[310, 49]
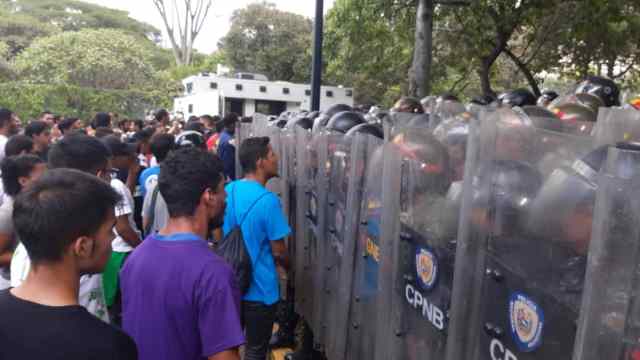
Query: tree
[100, 59]
[190, 21]
[265, 40]
[22, 21]
[369, 45]
[420, 72]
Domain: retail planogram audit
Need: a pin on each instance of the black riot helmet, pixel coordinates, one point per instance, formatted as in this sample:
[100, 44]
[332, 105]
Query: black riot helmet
[344, 121]
[518, 97]
[483, 100]
[543, 118]
[322, 120]
[546, 97]
[503, 191]
[305, 122]
[604, 88]
[570, 193]
[191, 139]
[371, 129]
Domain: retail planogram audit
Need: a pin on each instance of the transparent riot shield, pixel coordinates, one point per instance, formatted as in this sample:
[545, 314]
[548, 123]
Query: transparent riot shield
[444, 110]
[303, 256]
[243, 132]
[617, 124]
[418, 245]
[610, 313]
[260, 125]
[345, 198]
[316, 197]
[522, 243]
[394, 119]
[365, 293]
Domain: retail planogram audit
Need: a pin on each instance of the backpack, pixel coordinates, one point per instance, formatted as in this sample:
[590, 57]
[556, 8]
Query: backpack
[234, 251]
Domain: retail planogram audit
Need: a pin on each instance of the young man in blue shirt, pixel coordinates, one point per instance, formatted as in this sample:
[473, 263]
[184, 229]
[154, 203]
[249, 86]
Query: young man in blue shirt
[227, 146]
[264, 228]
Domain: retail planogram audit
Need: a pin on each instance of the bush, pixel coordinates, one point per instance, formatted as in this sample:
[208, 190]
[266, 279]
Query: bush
[28, 100]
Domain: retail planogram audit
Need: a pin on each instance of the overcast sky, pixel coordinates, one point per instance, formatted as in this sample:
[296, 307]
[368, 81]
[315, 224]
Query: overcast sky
[217, 23]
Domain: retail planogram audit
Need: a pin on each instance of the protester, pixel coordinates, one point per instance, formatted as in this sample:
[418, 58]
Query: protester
[17, 173]
[143, 140]
[68, 125]
[179, 298]
[101, 120]
[40, 132]
[212, 142]
[19, 145]
[161, 145]
[127, 234]
[226, 145]
[42, 319]
[8, 127]
[47, 117]
[264, 227]
[88, 155]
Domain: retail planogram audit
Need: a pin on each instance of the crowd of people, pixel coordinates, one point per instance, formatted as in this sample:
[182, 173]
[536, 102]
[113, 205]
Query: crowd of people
[109, 228]
[106, 236]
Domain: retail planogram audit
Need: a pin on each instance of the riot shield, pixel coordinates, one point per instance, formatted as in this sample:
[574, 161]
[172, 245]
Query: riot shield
[444, 110]
[243, 132]
[616, 124]
[365, 293]
[418, 246]
[316, 197]
[303, 257]
[522, 244]
[610, 313]
[345, 197]
[394, 119]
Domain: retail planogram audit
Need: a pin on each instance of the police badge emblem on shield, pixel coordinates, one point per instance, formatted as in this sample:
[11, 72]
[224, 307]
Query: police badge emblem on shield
[526, 322]
[426, 267]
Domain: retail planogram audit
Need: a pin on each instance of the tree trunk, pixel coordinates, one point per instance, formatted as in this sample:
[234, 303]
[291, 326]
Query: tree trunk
[420, 72]
[525, 71]
[484, 72]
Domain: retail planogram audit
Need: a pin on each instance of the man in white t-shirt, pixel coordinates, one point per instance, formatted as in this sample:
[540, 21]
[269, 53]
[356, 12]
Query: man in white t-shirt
[128, 236]
[8, 126]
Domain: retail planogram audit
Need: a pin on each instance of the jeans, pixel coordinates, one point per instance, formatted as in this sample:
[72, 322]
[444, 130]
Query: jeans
[257, 320]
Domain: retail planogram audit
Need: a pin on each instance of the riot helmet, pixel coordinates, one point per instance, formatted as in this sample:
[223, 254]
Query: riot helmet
[576, 118]
[454, 133]
[543, 118]
[428, 157]
[371, 129]
[408, 105]
[304, 122]
[546, 98]
[607, 90]
[343, 121]
[191, 139]
[518, 97]
[503, 191]
[322, 120]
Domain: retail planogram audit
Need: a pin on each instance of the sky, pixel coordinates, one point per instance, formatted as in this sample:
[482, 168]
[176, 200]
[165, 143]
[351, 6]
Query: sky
[218, 21]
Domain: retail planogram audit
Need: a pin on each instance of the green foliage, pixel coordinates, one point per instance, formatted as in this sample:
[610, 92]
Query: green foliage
[101, 59]
[28, 100]
[369, 46]
[73, 15]
[265, 40]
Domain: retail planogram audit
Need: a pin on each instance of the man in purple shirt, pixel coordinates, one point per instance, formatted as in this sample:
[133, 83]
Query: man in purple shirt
[180, 301]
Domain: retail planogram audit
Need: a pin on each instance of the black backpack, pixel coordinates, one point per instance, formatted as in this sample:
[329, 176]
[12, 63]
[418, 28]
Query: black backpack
[234, 251]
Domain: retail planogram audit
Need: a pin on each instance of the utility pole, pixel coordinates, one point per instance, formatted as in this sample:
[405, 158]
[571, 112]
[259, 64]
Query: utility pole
[316, 70]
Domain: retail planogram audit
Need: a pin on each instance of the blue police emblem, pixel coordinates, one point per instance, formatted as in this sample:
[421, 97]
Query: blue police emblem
[526, 320]
[426, 267]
